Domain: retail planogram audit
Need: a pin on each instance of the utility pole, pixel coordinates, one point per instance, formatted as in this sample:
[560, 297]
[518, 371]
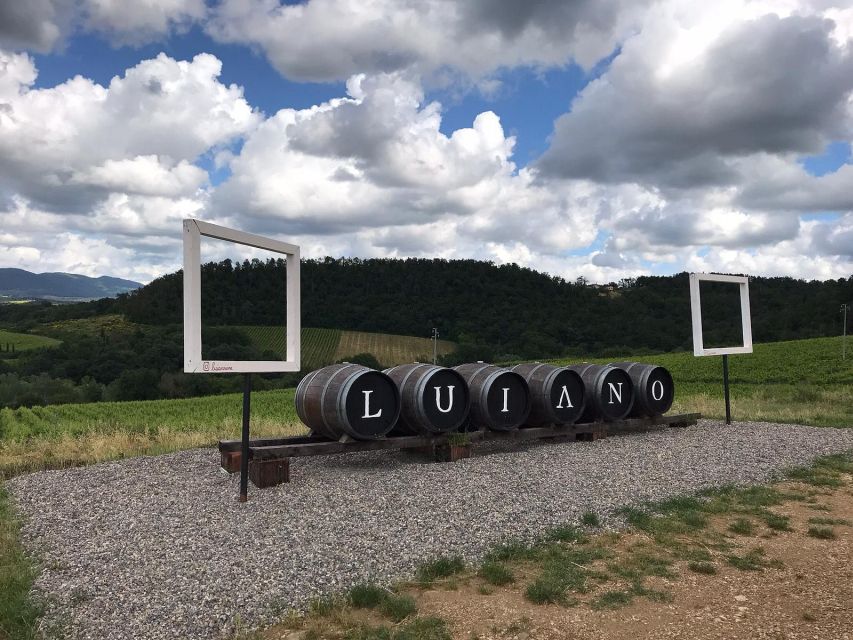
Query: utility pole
[434, 345]
[844, 309]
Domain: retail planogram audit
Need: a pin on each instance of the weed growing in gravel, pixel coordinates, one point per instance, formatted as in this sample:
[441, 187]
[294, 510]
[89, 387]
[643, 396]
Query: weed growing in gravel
[830, 521]
[398, 607]
[427, 628]
[496, 573]
[18, 612]
[702, 567]
[751, 561]
[546, 590]
[566, 533]
[822, 533]
[742, 527]
[590, 519]
[365, 632]
[324, 606]
[777, 522]
[611, 600]
[366, 596]
[512, 551]
[440, 567]
[819, 476]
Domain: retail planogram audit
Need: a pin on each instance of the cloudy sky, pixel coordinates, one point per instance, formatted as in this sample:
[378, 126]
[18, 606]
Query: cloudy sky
[596, 138]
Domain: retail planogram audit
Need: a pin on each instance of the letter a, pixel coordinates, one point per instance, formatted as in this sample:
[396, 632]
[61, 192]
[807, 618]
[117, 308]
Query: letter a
[367, 413]
[613, 392]
[449, 400]
[565, 394]
[506, 400]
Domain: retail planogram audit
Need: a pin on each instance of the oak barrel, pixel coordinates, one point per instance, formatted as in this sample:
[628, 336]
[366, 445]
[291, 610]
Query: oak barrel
[433, 399]
[654, 389]
[557, 394]
[348, 399]
[609, 392]
[500, 398]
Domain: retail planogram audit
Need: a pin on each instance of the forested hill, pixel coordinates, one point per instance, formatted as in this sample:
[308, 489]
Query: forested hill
[494, 311]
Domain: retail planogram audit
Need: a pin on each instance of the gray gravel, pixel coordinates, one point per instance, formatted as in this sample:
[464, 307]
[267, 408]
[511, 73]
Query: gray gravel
[158, 547]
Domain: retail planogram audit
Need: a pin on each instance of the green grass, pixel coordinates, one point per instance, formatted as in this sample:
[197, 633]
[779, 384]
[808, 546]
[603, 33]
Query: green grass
[366, 596]
[398, 607]
[706, 568]
[318, 346]
[830, 521]
[798, 381]
[742, 527]
[63, 435]
[18, 611]
[822, 533]
[590, 519]
[388, 348]
[440, 567]
[496, 573]
[25, 341]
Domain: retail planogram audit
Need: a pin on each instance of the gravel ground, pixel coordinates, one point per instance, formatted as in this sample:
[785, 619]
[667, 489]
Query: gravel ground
[158, 547]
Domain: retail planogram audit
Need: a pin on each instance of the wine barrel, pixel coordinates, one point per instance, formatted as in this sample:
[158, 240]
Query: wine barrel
[500, 398]
[609, 392]
[434, 399]
[654, 389]
[556, 393]
[348, 399]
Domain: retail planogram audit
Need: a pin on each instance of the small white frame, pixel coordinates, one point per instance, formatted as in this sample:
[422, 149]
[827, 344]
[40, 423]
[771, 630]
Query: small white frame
[193, 362]
[696, 312]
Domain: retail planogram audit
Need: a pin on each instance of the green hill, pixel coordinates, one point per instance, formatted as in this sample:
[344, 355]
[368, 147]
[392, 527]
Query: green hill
[24, 341]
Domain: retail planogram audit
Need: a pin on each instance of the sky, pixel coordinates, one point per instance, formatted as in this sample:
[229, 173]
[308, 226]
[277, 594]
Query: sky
[602, 139]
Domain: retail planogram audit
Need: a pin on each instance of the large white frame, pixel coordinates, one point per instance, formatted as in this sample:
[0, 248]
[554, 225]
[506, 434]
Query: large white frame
[193, 362]
[696, 312]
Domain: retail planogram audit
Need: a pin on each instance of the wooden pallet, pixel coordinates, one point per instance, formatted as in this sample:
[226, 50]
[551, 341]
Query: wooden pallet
[267, 456]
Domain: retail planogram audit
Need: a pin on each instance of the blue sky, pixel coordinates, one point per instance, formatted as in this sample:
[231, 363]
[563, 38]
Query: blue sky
[600, 139]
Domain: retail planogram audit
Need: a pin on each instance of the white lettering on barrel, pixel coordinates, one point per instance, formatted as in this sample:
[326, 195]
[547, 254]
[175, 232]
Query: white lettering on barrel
[657, 383]
[506, 400]
[449, 399]
[565, 394]
[367, 413]
[613, 392]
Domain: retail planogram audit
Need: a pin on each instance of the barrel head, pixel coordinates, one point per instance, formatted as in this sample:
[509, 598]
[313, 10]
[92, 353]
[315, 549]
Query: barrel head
[566, 402]
[445, 400]
[372, 404]
[507, 401]
[617, 394]
[659, 391]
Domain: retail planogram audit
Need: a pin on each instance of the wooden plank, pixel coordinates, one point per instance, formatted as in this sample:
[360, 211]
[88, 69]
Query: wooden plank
[309, 445]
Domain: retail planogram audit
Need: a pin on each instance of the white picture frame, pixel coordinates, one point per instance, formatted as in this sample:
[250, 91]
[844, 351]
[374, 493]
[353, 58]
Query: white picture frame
[696, 313]
[193, 231]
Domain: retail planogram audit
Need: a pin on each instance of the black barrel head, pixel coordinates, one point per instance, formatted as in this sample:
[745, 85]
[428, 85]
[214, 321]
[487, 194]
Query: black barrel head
[617, 394]
[567, 396]
[508, 401]
[445, 400]
[659, 391]
[372, 404]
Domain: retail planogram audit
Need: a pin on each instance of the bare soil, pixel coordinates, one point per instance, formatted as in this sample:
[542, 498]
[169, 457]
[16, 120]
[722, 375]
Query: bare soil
[805, 592]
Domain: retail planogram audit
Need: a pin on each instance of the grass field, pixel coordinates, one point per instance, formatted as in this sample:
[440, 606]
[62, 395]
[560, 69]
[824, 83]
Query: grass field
[389, 349]
[321, 347]
[800, 381]
[25, 341]
[93, 326]
[65, 435]
[318, 345]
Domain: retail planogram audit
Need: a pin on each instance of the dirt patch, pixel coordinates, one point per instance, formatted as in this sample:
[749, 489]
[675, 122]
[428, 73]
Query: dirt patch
[781, 571]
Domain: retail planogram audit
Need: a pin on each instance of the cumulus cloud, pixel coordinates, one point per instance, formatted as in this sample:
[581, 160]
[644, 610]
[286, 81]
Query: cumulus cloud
[769, 85]
[683, 152]
[67, 147]
[334, 39]
[43, 25]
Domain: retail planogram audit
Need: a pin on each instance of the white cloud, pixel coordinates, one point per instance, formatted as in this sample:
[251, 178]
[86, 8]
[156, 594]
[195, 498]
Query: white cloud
[334, 39]
[44, 25]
